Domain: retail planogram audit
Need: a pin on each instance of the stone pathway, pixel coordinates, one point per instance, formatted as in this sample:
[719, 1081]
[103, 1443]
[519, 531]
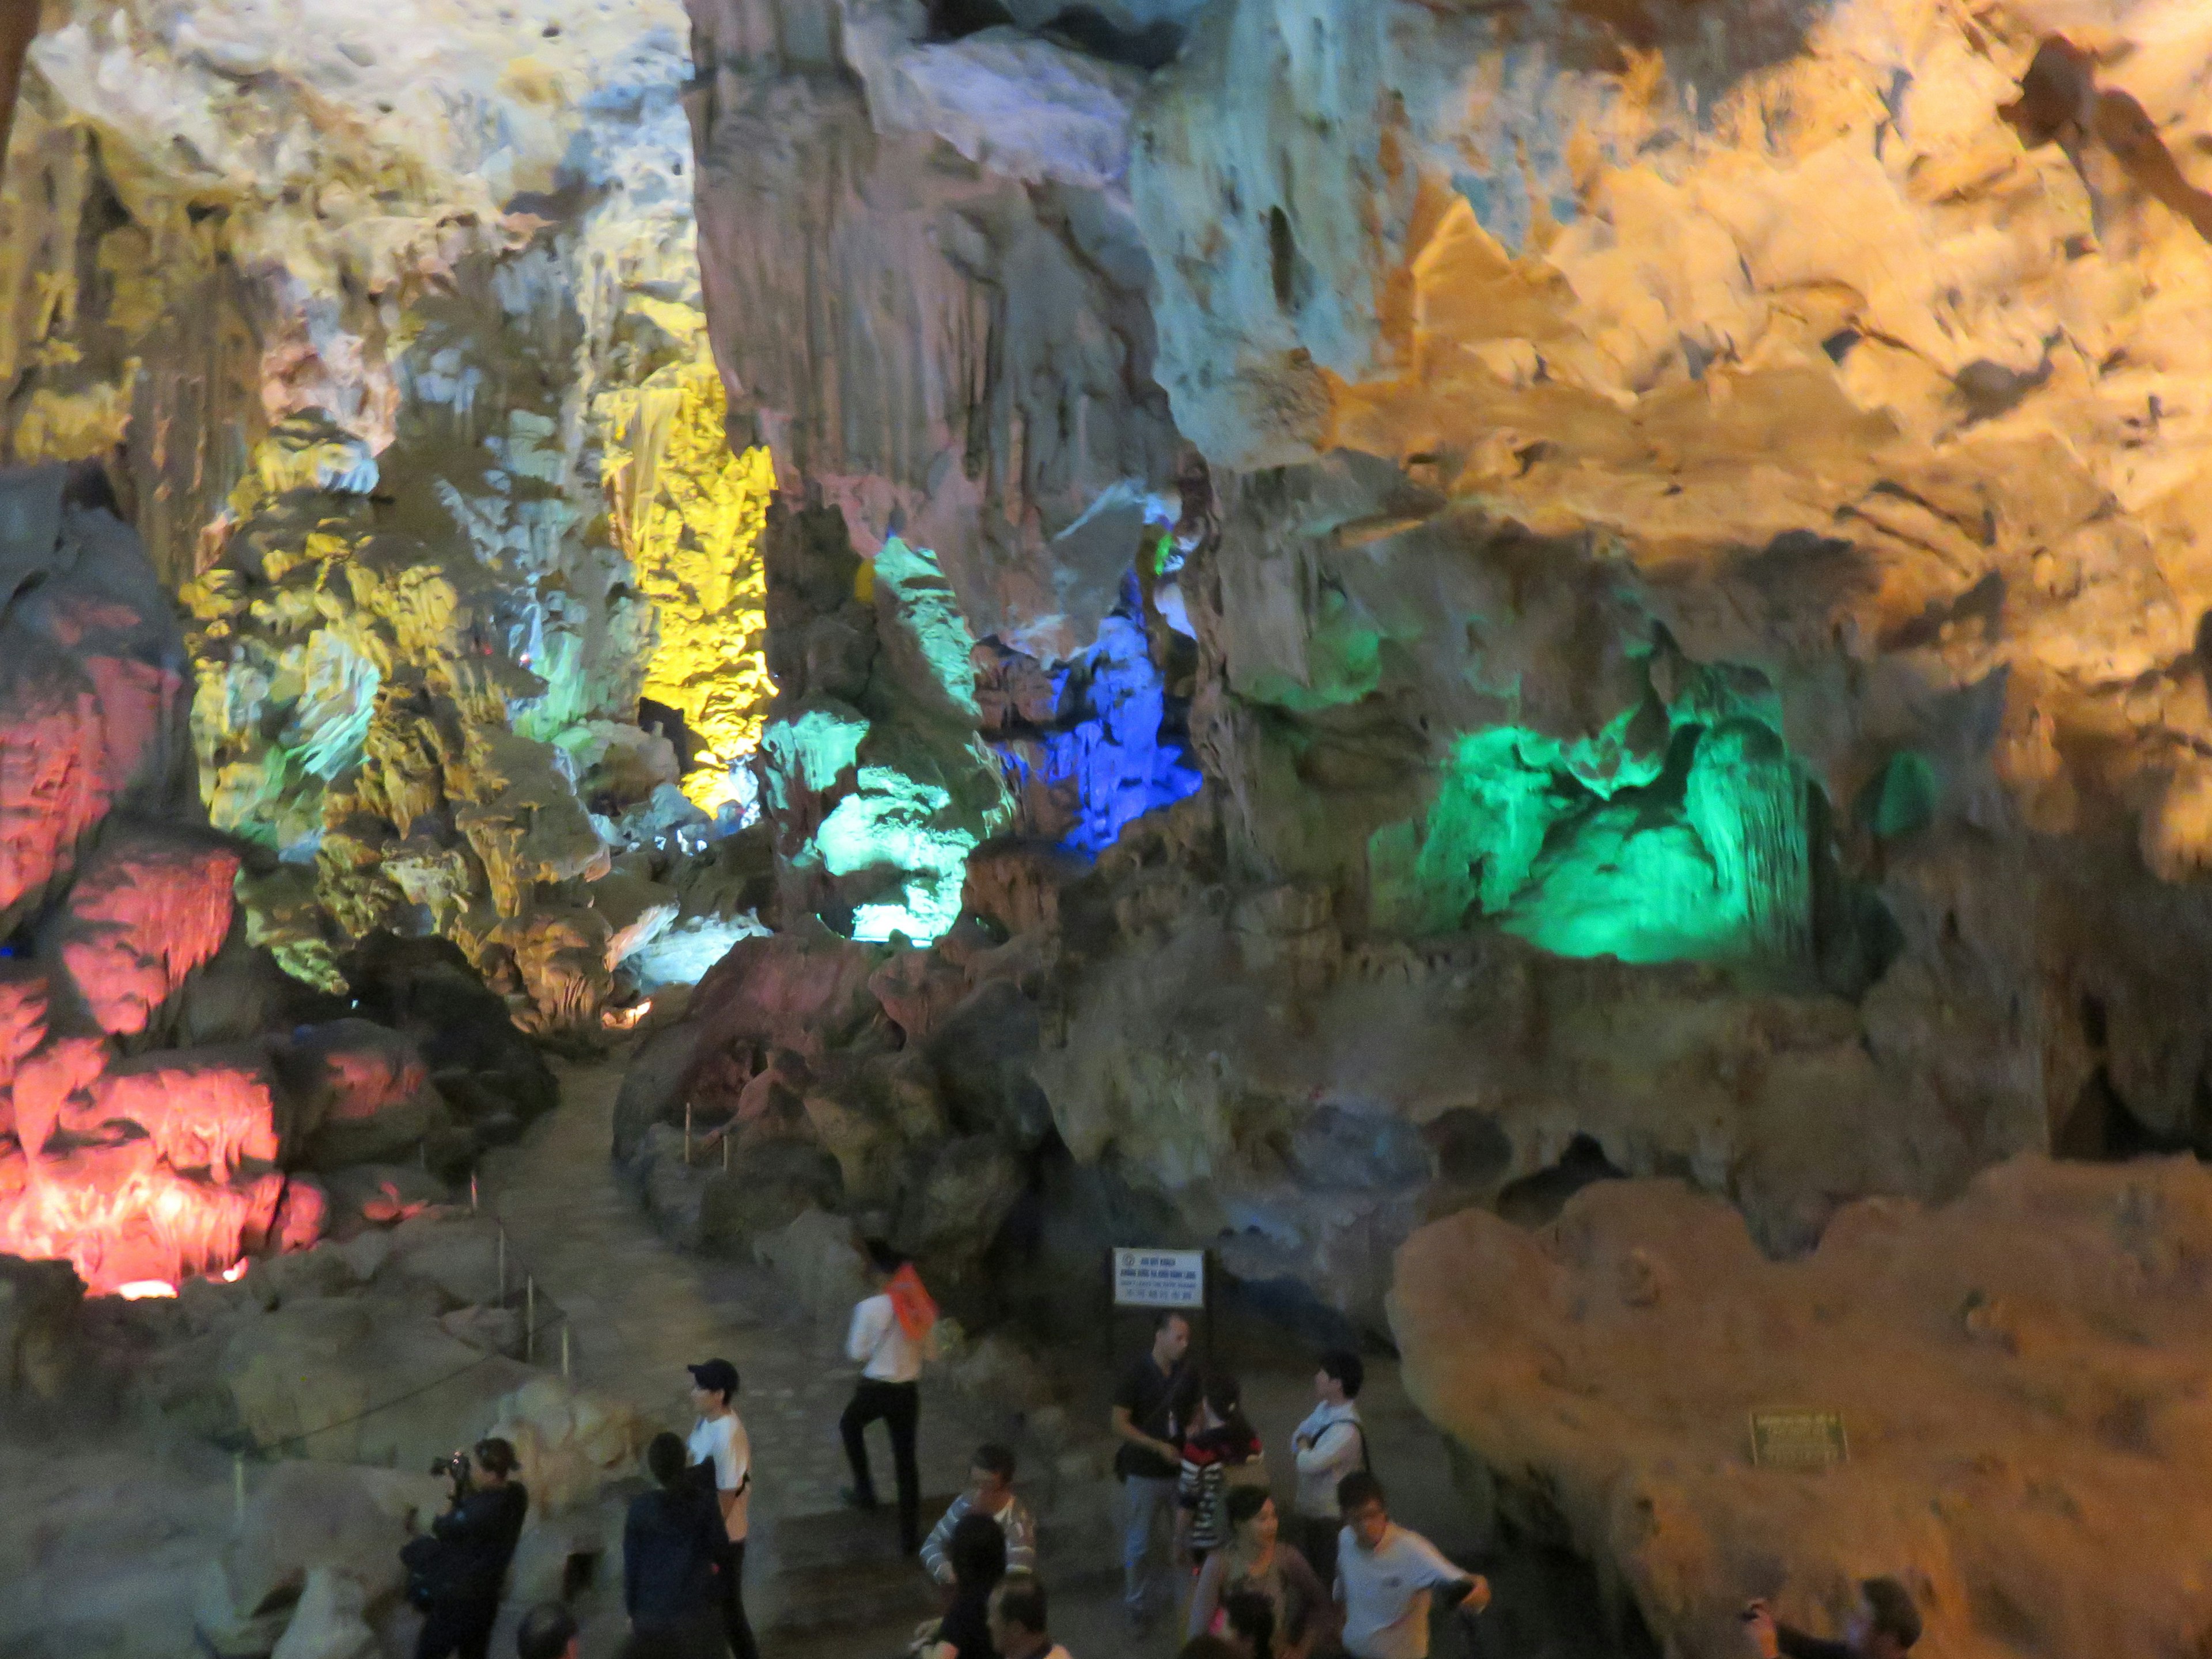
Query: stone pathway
[639, 1311]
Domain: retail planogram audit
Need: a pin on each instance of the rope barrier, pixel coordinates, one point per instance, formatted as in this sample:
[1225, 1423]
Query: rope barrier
[560, 1322]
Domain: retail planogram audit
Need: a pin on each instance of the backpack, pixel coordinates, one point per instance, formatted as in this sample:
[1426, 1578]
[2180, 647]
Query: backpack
[424, 1558]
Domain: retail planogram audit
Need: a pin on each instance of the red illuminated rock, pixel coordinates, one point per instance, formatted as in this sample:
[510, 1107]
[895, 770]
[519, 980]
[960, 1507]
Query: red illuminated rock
[364, 1094]
[204, 1109]
[146, 910]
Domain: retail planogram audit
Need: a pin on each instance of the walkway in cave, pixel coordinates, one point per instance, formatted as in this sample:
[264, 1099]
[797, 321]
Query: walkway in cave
[639, 1311]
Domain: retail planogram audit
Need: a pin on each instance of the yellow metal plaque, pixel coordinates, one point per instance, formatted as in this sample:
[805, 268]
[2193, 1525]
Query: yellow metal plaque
[1798, 1440]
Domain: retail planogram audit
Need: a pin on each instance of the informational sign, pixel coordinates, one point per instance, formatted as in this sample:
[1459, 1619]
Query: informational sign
[1160, 1279]
[1798, 1440]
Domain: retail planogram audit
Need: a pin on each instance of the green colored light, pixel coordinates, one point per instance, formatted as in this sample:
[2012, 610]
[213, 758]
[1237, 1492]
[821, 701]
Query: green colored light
[1604, 848]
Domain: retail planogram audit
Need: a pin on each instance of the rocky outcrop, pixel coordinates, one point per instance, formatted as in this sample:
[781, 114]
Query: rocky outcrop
[986, 375]
[1687, 625]
[872, 771]
[163, 1089]
[2002, 1425]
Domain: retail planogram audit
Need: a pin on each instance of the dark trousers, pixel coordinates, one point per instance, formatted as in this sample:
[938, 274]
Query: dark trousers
[735, 1626]
[457, 1627]
[1317, 1540]
[899, 1405]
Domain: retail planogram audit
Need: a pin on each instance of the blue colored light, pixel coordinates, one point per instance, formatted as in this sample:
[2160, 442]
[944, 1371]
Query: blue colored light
[1121, 737]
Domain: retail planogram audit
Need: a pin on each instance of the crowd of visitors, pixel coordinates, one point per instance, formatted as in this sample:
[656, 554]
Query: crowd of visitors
[1199, 1528]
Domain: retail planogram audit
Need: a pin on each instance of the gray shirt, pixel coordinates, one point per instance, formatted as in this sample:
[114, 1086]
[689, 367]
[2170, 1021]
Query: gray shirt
[1385, 1592]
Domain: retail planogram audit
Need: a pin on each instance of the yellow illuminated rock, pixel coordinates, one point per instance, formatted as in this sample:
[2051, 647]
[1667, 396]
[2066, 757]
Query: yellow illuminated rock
[689, 512]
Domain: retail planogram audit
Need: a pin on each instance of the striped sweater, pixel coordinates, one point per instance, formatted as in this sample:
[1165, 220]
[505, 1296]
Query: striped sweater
[1203, 1488]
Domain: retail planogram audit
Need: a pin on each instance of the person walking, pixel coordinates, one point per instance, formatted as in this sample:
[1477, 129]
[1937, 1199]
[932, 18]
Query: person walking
[990, 1493]
[1255, 1559]
[1152, 1403]
[720, 1452]
[1328, 1445]
[674, 1541]
[1219, 1448]
[887, 1339]
[476, 1538]
[1386, 1576]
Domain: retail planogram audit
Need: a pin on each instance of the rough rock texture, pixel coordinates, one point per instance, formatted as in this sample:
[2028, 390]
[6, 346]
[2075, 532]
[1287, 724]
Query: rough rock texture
[394, 334]
[351, 709]
[872, 771]
[2022, 1375]
[985, 373]
[163, 1087]
[1687, 620]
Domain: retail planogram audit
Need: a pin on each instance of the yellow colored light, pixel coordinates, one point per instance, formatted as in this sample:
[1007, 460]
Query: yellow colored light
[689, 514]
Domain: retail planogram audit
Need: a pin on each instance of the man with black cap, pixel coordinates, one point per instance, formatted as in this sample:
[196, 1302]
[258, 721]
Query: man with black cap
[719, 1448]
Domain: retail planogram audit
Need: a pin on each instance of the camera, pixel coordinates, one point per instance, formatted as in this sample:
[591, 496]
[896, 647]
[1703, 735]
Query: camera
[455, 1468]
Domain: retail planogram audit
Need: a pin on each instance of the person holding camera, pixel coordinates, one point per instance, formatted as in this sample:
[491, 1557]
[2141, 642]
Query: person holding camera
[465, 1569]
[1884, 1626]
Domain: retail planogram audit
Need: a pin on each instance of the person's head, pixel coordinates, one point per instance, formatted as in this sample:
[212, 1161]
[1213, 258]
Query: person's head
[1366, 1508]
[1017, 1620]
[547, 1631]
[990, 1477]
[1170, 1338]
[665, 1458]
[1206, 1647]
[1225, 1397]
[1340, 1377]
[1887, 1624]
[978, 1554]
[494, 1460]
[1249, 1618]
[713, 1386]
[883, 1260]
[1252, 1518]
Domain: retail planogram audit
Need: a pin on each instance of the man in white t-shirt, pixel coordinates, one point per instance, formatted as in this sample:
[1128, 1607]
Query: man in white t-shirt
[1387, 1575]
[724, 1456]
[890, 1388]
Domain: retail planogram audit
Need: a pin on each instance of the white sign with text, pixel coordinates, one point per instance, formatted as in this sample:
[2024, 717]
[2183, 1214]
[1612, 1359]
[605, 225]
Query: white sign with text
[1160, 1279]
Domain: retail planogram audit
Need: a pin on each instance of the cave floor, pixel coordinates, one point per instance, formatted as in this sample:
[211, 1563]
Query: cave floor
[639, 1309]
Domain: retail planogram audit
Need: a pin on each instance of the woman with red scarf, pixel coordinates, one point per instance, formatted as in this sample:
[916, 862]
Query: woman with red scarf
[890, 1330]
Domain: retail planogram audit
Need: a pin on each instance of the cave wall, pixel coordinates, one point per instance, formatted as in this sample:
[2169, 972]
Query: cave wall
[1686, 612]
[308, 286]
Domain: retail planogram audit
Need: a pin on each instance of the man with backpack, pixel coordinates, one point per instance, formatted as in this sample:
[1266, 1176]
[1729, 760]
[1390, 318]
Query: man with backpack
[1331, 1443]
[889, 1334]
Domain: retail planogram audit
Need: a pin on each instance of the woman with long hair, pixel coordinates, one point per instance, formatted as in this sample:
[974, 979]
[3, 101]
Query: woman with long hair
[1221, 1452]
[1254, 1559]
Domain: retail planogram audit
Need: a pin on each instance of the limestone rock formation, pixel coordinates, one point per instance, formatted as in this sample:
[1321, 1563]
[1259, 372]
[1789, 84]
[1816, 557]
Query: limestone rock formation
[872, 770]
[163, 1087]
[1686, 617]
[2019, 1374]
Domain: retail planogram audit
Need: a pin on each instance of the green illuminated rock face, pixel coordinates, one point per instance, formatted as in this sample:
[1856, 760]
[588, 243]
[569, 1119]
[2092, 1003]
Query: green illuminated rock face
[1705, 860]
[871, 771]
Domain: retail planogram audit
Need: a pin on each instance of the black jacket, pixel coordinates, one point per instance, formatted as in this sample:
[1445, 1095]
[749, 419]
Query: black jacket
[670, 1543]
[477, 1538]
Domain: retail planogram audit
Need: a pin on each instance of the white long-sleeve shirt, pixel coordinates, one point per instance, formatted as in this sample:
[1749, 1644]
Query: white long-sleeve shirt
[1330, 1445]
[879, 1346]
